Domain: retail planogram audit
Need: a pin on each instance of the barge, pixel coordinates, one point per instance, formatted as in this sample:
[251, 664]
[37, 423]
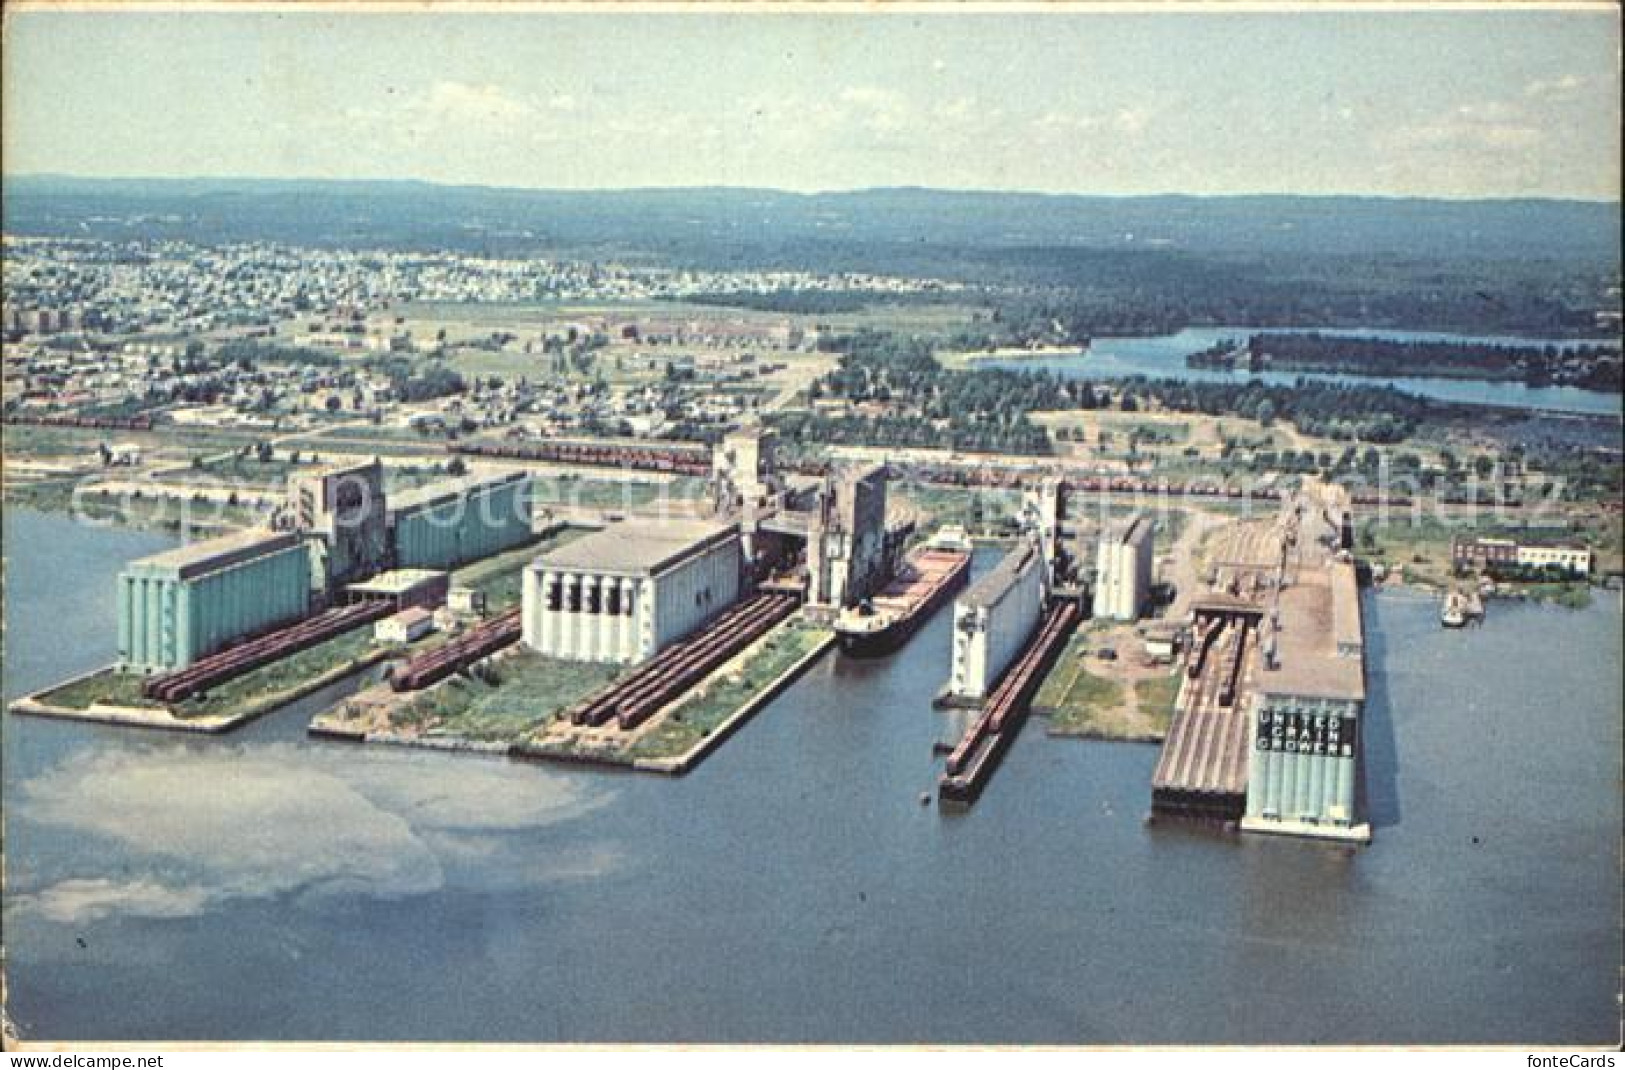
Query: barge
[928, 576]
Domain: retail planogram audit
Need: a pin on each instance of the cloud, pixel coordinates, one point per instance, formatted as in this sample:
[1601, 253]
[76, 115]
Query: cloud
[1484, 131]
[1563, 87]
[213, 826]
[1132, 120]
[958, 110]
[77, 901]
[461, 102]
[883, 112]
[1466, 132]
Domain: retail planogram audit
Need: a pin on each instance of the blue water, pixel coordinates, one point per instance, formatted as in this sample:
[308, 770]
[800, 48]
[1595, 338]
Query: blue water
[1163, 357]
[792, 888]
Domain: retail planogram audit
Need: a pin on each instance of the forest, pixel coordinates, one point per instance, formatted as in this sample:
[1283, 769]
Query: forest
[1591, 367]
[898, 394]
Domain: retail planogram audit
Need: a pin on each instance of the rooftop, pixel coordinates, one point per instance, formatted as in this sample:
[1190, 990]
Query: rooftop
[1129, 530]
[992, 586]
[1316, 616]
[448, 490]
[397, 581]
[210, 554]
[1347, 635]
[644, 548]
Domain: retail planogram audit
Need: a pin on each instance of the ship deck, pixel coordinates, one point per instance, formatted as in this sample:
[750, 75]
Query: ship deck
[918, 580]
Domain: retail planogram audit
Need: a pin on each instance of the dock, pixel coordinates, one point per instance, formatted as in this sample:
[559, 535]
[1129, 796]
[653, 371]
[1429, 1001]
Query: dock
[1267, 724]
[1202, 771]
[978, 754]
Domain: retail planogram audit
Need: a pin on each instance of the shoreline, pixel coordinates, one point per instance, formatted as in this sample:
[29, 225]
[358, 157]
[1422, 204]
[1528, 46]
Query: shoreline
[165, 718]
[681, 764]
[326, 726]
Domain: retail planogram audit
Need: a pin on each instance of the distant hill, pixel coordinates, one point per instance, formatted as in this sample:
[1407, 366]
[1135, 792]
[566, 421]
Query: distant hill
[716, 226]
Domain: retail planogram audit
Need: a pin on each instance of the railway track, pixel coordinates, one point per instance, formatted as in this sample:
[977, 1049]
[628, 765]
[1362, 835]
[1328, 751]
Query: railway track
[677, 460]
[244, 657]
[635, 698]
[973, 760]
[478, 642]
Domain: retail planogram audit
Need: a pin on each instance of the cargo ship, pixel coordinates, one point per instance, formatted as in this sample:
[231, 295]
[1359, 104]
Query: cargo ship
[926, 577]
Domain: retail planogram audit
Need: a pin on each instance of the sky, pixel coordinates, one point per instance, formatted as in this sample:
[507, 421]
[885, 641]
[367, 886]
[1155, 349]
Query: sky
[1457, 104]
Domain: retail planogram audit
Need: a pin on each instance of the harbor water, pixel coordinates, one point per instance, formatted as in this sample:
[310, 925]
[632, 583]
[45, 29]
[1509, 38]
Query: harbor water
[263, 886]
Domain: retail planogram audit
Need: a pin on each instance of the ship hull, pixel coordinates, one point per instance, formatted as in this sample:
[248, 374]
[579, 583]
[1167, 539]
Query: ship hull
[882, 641]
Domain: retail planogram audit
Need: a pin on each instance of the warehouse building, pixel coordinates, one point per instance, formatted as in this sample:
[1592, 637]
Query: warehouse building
[1572, 558]
[1123, 569]
[178, 606]
[622, 594]
[1493, 554]
[992, 622]
[403, 588]
[447, 524]
[1307, 703]
[407, 626]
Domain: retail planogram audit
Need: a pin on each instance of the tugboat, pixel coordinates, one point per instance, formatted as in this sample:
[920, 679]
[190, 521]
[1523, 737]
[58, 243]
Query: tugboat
[927, 577]
[1461, 608]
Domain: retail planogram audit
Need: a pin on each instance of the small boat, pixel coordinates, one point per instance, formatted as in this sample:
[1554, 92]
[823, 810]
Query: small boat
[1454, 613]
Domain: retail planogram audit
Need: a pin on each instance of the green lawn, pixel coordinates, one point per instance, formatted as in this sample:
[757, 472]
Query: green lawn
[109, 686]
[507, 699]
[978, 510]
[702, 712]
[1081, 703]
[46, 441]
[353, 649]
[570, 489]
[1156, 698]
[251, 470]
[1422, 546]
[501, 576]
[148, 512]
[1072, 691]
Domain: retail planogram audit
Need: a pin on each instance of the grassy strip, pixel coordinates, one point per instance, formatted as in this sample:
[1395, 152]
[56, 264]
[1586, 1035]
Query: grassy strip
[352, 650]
[571, 489]
[1087, 702]
[506, 699]
[237, 470]
[264, 688]
[501, 577]
[1571, 594]
[154, 513]
[109, 687]
[1422, 549]
[700, 714]
[41, 440]
[1156, 697]
[1079, 703]
[1052, 692]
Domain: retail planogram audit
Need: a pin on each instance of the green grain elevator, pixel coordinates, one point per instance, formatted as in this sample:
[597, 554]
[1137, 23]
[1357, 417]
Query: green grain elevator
[181, 605]
[449, 524]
